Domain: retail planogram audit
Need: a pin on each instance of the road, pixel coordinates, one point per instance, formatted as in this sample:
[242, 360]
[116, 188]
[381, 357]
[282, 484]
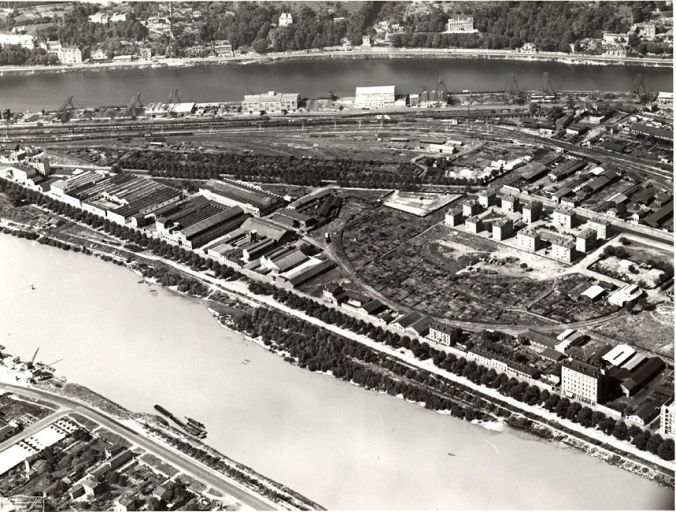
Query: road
[182, 462]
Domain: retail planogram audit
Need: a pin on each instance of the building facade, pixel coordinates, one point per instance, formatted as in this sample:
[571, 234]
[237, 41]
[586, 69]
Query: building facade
[70, 55]
[531, 212]
[667, 420]
[374, 97]
[528, 241]
[272, 103]
[564, 217]
[582, 381]
[460, 24]
[285, 19]
[443, 334]
[453, 217]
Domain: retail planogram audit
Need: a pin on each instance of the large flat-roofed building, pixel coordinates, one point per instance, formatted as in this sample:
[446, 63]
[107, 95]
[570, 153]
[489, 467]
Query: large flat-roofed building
[374, 97]
[271, 103]
[230, 193]
[197, 221]
[70, 55]
[667, 419]
[582, 381]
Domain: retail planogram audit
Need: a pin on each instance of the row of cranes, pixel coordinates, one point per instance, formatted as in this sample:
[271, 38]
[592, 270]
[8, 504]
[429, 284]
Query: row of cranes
[437, 97]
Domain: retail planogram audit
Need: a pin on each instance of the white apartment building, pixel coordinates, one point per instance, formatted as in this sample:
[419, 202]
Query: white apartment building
[374, 97]
[70, 55]
[581, 381]
[667, 419]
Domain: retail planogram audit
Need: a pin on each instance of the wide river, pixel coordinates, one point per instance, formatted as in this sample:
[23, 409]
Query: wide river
[311, 79]
[338, 444]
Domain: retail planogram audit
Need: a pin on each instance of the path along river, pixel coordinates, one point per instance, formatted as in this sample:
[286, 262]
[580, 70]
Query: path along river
[311, 79]
[338, 444]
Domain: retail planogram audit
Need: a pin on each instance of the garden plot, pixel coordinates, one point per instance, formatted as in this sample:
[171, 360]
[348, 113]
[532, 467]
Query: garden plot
[631, 272]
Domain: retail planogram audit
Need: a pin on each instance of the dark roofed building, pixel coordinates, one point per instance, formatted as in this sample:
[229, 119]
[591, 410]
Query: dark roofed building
[230, 193]
[645, 372]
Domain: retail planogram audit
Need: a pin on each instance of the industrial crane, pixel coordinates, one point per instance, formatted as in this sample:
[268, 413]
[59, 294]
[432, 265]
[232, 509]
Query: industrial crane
[64, 112]
[135, 105]
[173, 97]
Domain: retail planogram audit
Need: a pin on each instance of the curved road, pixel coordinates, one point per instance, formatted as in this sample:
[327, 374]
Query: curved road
[184, 463]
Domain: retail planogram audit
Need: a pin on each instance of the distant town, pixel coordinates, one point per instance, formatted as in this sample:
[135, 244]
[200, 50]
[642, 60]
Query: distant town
[145, 33]
[502, 256]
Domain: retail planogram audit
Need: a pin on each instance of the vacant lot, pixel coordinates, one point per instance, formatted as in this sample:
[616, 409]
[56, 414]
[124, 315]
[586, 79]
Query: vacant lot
[652, 331]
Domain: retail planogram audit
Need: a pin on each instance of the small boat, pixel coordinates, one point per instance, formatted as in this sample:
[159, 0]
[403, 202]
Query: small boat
[33, 287]
[451, 454]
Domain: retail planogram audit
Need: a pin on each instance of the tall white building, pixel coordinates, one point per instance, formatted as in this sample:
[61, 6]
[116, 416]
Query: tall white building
[667, 419]
[24, 40]
[285, 19]
[582, 381]
[460, 24]
[374, 97]
[70, 55]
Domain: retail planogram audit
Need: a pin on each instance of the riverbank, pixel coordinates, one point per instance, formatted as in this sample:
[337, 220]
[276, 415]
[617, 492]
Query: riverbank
[358, 53]
[547, 428]
[280, 419]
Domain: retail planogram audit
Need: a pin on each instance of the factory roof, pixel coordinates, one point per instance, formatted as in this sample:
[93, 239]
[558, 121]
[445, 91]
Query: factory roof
[241, 193]
[271, 97]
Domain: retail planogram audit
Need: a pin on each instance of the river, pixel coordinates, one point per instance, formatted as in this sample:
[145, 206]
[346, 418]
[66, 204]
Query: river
[343, 446]
[311, 79]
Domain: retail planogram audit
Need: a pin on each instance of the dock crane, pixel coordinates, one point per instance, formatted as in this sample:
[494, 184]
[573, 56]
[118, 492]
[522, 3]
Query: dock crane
[639, 90]
[134, 106]
[442, 93]
[57, 361]
[173, 97]
[64, 112]
[547, 86]
[512, 90]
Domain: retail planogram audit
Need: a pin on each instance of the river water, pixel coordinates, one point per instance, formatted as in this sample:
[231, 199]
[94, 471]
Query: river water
[311, 79]
[340, 445]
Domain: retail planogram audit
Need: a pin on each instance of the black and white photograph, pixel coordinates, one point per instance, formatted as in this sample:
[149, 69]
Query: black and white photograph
[336, 255]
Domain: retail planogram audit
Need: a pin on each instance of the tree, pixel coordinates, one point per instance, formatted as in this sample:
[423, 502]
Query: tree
[620, 431]
[666, 449]
[260, 45]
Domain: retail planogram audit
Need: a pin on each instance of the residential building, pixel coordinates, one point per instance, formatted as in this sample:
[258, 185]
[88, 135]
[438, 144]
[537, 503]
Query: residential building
[665, 100]
[667, 419]
[564, 217]
[582, 381]
[502, 228]
[145, 54]
[528, 240]
[510, 203]
[23, 40]
[366, 42]
[531, 211]
[223, 48]
[460, 24]
[585, 240]
[470, 208]
[70, 55]
[285, 19]
[474, 225]
[98, 55]
[374, 97]
[443, 334]
[601, 228]
[487, 198]
[563, 250]
[271, 103]
[453, 217]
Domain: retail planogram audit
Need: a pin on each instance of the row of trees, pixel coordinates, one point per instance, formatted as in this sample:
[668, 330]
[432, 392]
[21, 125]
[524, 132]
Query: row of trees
[16, 55]
[319, 350]
[508, 386]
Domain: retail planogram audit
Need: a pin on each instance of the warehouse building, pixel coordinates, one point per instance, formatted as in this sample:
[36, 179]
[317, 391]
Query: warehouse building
[374, 97]
[255, 201]
[271, 103]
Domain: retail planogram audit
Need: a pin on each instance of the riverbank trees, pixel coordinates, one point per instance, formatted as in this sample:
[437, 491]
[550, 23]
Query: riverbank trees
[320, 350]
